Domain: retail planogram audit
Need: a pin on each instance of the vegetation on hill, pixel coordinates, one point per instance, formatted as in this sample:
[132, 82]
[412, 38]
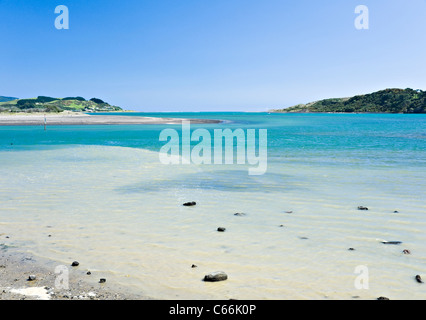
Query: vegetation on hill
[5, 99]
[49, 104]
[384, 101]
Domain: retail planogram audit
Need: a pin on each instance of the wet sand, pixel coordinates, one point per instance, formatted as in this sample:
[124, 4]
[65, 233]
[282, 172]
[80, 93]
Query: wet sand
[85, 119]
[17, 267]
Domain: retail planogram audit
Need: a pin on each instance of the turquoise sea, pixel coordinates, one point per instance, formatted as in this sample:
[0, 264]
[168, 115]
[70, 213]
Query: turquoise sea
[106, 200]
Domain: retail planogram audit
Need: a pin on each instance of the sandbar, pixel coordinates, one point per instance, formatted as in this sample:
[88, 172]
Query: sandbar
[86, 119]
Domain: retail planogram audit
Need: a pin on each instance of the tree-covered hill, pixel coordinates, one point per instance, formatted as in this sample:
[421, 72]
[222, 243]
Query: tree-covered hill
[384, 101]
[49, 104]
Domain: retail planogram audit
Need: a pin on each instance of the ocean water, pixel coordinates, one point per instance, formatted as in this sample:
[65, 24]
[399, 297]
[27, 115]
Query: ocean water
[100, 195]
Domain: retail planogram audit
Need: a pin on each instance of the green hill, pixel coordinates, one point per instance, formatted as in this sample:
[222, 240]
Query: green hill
[49, 104]
[384, 101]
[5, 99]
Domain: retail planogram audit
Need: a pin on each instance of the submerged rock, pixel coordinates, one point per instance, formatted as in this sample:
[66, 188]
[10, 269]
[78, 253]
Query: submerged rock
[239, 214]
[391, 242]
[190, 204]
[216, 276]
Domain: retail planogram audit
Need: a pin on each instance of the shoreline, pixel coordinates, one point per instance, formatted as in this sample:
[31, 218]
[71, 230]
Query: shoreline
[17, 267]
[85, 119]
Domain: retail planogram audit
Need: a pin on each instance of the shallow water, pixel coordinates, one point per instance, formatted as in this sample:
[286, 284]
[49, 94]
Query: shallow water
[107, 201]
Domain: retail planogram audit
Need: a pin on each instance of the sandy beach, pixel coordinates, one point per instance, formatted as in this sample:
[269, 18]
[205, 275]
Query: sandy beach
[70, 118]
[26, 277]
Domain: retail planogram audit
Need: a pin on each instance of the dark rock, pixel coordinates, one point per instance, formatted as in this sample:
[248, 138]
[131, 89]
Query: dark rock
[391, 242]
[216, 276]
[281, 226]
[351, 249]
[395, 211]
[239, 214]
[303, 238]
[32, 278]
[289, 212]
[102, 280]
[190, 204]
[419, 279]
[406, 251]
[75, 264]
[88, 273]
[221, 229]
[194, 266]
[362, 208]
[383, 298]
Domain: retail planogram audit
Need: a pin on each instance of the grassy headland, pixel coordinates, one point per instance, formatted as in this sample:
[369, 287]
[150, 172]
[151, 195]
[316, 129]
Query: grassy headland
[55, 105]
[384, 101]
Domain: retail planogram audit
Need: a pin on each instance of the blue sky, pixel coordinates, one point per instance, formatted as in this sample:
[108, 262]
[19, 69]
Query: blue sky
[207, 55]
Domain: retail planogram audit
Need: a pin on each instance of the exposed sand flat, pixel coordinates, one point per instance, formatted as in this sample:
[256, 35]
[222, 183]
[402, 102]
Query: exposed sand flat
[16, 267]
[85, 119]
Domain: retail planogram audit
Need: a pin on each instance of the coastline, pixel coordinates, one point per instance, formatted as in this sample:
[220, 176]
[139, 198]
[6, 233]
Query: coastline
[70, 118]
[136, 211]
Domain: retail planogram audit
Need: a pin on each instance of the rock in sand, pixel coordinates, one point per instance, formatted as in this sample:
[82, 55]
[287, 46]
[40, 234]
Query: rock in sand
[190, 204]
[216, 276]
[32, 278]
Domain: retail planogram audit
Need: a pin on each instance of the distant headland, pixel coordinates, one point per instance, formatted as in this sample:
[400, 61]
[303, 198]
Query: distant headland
[55, 105]
[384, 101]
[48, 111]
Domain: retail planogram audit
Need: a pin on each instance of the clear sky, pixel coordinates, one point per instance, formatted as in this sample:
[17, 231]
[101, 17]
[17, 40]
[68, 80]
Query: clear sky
[207, 55]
